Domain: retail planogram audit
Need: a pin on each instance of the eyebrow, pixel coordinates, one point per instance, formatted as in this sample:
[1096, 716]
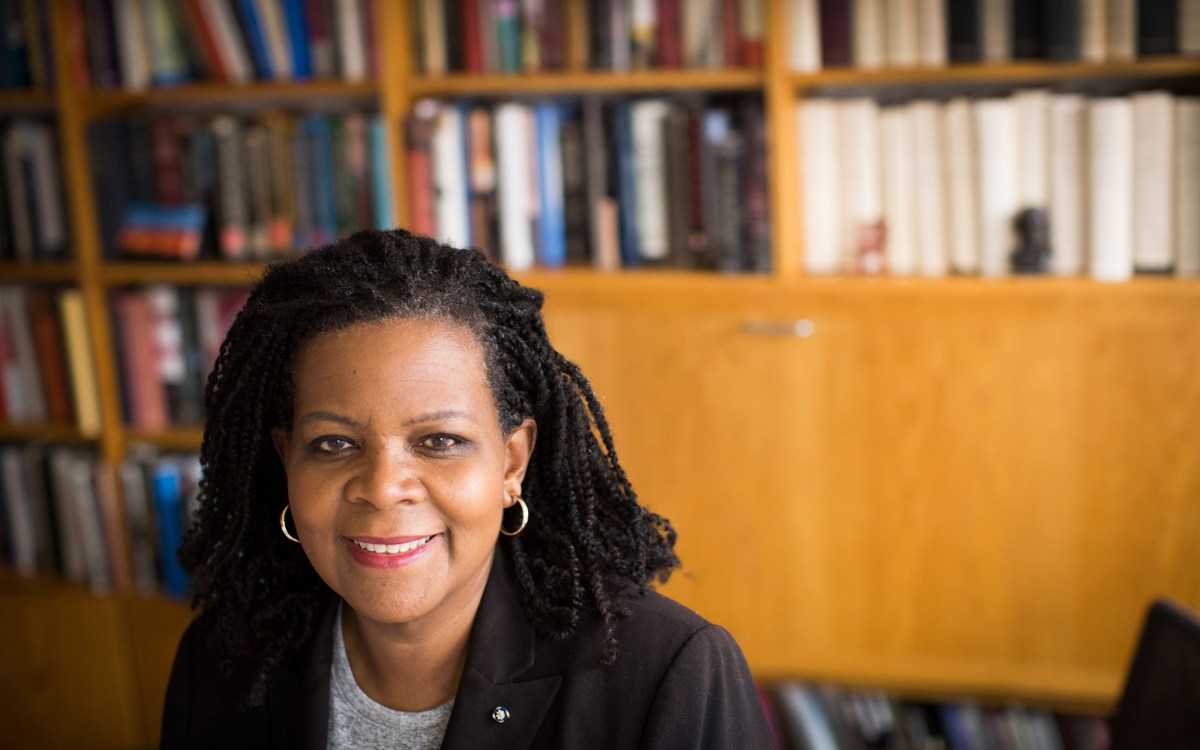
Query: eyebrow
[433, 416]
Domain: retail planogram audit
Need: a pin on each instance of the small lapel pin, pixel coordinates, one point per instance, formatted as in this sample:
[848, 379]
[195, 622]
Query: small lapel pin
[500, 714]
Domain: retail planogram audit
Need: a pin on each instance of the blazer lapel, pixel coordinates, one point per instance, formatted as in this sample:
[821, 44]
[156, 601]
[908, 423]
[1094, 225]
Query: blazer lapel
[299, 700]
[494, 708]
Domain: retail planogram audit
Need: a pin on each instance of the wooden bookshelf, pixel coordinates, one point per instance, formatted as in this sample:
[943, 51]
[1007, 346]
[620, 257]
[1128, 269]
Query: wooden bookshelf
[950, 486]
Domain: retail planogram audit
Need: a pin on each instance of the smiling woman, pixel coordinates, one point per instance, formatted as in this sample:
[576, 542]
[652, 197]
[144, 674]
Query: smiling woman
[462, 561]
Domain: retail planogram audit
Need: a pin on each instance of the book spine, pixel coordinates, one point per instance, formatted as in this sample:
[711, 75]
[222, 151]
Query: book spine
[552, 241]
[863, 227]
[1068, 164]
[869, 28]
[1064, 27]
[51, 363]
[1187, 192]
[903, 34]
[898, 182]
[256, 40]
[131, 36]
[297, 32]
[418, 137]
[627, 188]
[512, 128]
[481, 168]
[962, 205]
[1189, 28]
[1033, 166]
[646, 130]
[804, 36]
[450, 177]
[20, 333]
[929, 189]
[931, 33]
[231, 50]
[1121, 29]
[275, 37]
[80, 364]
[998, 183]
[821, 190]
[963, 29]
[1110, 193]
[168, 506]
[381, 177]
[1157, 25]
[1154, 163]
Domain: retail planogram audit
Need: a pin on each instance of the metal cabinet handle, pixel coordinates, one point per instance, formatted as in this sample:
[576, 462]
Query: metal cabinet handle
[801, 329]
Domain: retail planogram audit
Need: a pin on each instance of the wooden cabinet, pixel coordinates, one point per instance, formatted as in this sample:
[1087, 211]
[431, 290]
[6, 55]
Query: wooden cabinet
[954, 487]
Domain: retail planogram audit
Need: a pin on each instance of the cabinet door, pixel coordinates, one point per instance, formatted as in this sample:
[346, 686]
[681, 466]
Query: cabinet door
[967, 488]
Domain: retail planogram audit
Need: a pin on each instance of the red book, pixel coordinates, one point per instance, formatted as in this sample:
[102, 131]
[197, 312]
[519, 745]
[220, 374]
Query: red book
[144, 386]
[76, 41]
[52, 366]
[472, 36]
[418, 133]
[669, 44]
[206, 40]
[731, 34]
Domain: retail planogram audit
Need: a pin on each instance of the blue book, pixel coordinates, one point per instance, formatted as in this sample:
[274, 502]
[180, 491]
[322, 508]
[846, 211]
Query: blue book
[626, 174]
[256, 40]
[297, 29]
[381, 177]
[552, 229]
[168, 507]
[324, 208]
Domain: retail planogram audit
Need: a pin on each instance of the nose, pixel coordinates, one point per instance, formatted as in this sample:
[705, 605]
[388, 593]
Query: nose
[383, 478]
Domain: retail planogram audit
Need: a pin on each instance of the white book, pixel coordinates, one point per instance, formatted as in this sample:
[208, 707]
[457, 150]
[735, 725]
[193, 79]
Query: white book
[1187, 191]
[228, 39]
[931, 33]
[513, 128]
[819, 136]
[862, 195]
[1110, 188]
[929, 190]
[1189, 28]
[352, 46]
[1068, 176]
[646, 122]
[805, 717]
[51, 219]
[450, 177]
[16, 145]
[962, 204]
[997, 31]
[899, 181]
[20, 335]
[804, 36]
[903, 36]
[1154, 162]
[1121, 29]
[869, 33]
[1033, 122]
[91, 528]
[279, 46]
[131, 44]
[701, 35]
[998, 186]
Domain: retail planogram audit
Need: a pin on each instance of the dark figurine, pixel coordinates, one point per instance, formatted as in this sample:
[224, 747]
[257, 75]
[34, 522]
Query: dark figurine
[1032, 255]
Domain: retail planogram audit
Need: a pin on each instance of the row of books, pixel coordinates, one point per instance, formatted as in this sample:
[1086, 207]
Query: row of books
[607, 183]
[33, 217]
[134, 44]
[504, 36]
[813, 716]
[47, 372]
[61, 515]
[933, 33]
[167, 339]
[26, 60]
[184, 187]
[933, 187]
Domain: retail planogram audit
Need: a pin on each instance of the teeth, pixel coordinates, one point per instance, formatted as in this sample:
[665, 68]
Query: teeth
[392, 549]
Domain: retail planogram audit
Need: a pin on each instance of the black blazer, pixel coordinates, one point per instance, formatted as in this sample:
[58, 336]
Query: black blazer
[678, 682]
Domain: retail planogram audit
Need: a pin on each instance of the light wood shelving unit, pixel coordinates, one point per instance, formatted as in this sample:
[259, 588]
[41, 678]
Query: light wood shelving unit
[833, 494]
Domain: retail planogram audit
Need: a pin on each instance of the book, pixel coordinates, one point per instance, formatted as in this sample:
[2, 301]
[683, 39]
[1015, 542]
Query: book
[1028, 18]
[869, 28]
[1157, 28]
[1121, 27]
[131, 35]
[31, 396]
[1189, 27]
[80, 364]
[929, 189]
[51, 362]
[1068, 165]
[352, 56]
[576, 225]
[898, 180]
[450, 179]
[1154, 164]
[513, 126]
[903, 35]
[819, 137]
[963, 29]
[646, 118]
[862, 210]
[931, 33]
[145, 403]
[168, 504]
[382, 192]
[1033, 120]
[275, 36]
[552, 240]
[1187, 190]
[1093, 30]
[998, 182]
[1063, 26]
[996, 34]
[418, 150]
[1110, 188]
[232, 189]
[804, 36]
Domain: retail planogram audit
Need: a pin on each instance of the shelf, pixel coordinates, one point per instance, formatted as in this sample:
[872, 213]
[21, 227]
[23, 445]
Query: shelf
[26, 101]
[99, 103]
[48, 433]
[586, 82]
[999, 73]
[56, 272]
[117, 273]
[172, 439]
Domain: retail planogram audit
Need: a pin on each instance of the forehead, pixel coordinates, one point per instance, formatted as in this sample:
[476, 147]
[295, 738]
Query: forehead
[386, 357]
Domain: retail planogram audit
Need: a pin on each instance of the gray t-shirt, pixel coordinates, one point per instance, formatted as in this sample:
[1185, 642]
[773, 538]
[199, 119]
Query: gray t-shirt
[356, 721]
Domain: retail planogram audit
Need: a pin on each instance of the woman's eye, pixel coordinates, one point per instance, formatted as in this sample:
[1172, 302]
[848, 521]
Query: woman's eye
[331, 445]
[440, 442]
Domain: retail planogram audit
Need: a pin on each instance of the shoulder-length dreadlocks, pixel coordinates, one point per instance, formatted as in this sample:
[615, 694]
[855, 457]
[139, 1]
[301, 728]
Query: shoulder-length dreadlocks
[587, 536]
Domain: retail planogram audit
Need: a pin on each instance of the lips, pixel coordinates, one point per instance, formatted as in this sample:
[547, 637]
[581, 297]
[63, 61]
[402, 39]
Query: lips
[392, 548]
[389, 552]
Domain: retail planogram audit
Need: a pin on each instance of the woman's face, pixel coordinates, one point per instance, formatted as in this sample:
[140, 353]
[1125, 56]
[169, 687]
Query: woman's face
[397, 471]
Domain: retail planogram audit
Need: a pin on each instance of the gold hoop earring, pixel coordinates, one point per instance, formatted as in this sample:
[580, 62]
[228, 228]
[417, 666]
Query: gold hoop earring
[283, 524]
[524, 518]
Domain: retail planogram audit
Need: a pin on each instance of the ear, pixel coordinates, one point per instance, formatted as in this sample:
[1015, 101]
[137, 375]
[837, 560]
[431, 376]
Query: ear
[280, 438]
[518, 449]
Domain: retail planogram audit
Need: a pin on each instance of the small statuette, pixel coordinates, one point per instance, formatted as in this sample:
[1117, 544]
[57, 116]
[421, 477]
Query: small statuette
[500, 714]
[1032, 254]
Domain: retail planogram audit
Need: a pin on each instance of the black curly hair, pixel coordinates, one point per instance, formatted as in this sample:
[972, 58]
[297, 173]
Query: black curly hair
[587, 537]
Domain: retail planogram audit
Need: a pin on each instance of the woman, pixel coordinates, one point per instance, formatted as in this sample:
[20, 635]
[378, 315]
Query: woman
[414, 531]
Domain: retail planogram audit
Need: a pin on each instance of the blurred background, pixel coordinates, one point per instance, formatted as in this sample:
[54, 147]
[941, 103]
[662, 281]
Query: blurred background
[893, 306]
